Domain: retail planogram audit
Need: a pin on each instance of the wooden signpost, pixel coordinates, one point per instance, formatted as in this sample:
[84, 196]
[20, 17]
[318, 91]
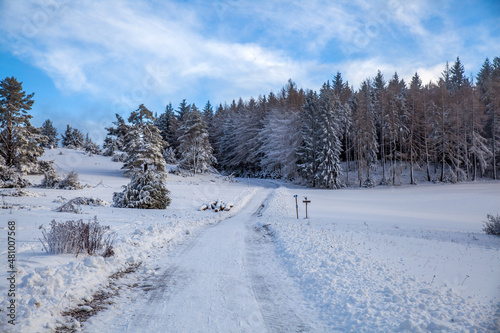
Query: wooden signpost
[306, 202]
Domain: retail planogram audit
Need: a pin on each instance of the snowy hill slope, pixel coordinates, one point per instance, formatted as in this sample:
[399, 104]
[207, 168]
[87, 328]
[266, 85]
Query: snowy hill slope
[49, 284]
[375, 260]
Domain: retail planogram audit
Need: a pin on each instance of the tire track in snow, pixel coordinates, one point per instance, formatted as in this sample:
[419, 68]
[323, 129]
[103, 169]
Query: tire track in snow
[274, 291]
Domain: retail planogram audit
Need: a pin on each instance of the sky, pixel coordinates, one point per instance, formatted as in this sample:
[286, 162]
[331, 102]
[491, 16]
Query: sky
[87, 60]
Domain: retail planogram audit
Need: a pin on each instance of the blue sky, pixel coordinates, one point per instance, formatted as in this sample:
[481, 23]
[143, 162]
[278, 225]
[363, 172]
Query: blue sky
[87, 60]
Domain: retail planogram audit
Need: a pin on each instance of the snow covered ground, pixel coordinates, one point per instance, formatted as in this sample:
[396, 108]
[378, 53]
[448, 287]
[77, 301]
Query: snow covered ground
[385, 259]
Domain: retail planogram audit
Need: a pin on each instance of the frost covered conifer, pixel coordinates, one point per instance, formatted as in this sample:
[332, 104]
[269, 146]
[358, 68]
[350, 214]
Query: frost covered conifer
[145, 191]
[329, 146]
[307, 151]
[72, 138]
[143, 143]
[20, 142]
[169, 156]
[90, 146]
[168, 125]
[50, 133]
[195, 148]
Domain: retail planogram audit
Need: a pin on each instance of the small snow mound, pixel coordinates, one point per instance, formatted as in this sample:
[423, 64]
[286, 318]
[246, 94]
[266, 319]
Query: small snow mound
[94, 262]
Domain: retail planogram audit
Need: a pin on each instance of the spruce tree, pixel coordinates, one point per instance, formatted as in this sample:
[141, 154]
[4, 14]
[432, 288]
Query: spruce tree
[307, 151]
[145, 191]
[50, 133]
[195, 149]
[20, 142]
[167, 123]
[329, 148]
[143, 143]
[90, 146]
[72, 138]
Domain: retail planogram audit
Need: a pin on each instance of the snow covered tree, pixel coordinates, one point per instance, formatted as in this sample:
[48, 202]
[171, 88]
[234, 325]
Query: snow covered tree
[119, 132]
[90, 146]
[145, 191]
[329, 146]
[143, 143]
[365, 133]
[488, 81]
[20, 142]
[168, 125]
[72, 138]
[307, 151]
[169, 156]
[195, 149]
[50, 133]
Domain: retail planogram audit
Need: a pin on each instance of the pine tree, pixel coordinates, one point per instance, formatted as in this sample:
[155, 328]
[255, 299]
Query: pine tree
[143, 143]
[195, 149]
[50, 133]
[20, 142]
[90, 146]
[119, 133]
[72, 138]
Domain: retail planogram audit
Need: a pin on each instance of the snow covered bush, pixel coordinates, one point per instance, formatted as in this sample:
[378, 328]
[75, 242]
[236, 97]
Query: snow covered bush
[70, 182]
[11, 178]
[492, 226]
[77, 237]
[145, 191]
[52, 180]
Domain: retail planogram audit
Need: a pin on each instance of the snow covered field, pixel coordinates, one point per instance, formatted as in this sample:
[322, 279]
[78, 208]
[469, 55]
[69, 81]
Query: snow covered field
[385, 259]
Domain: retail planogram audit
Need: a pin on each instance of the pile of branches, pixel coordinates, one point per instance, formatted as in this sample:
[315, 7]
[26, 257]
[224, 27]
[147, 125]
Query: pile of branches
[217, 206]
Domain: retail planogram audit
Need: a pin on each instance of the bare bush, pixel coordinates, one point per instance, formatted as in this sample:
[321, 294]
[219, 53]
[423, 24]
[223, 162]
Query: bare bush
[492, 226]
[77, 236]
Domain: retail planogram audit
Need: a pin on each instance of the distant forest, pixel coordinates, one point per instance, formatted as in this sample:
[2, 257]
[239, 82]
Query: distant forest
[449, 130]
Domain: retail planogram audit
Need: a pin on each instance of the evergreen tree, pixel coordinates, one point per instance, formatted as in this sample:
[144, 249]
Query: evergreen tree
[184, 109]
[72, 138]
[309, 131]
[329, 148]
[143, 143]
[90, 146]
[195, 149]
[20, 142]
[50, 133]
[457, 76]
[167, 123]
[365, 133]
[145, 191]
[119, 133]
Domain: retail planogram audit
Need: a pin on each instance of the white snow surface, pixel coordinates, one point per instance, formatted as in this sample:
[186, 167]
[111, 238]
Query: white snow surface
[408, 259]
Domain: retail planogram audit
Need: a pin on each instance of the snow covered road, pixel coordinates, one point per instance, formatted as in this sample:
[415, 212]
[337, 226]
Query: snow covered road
[224, 279]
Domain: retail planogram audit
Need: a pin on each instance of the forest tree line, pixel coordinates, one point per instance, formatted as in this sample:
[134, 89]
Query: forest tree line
[449, 130]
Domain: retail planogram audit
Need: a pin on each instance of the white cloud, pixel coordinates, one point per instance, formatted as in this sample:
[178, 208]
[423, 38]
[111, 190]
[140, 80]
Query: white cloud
[123, 49]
